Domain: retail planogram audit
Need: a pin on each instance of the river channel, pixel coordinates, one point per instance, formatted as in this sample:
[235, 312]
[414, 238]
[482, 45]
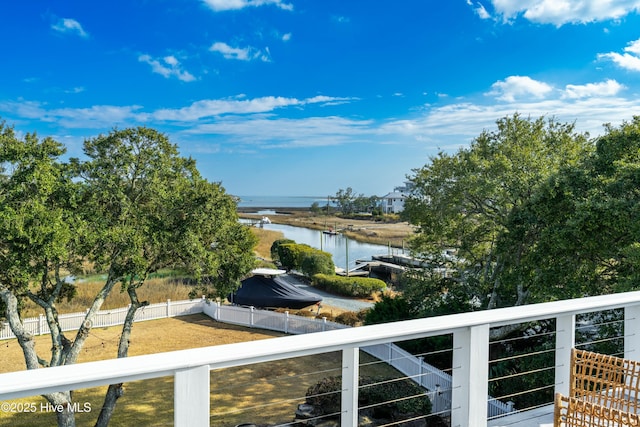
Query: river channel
[339, 246]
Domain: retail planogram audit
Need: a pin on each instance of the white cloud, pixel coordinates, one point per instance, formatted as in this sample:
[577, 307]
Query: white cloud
[633, 47]
[218, 107]
[97, 117]
[606, 88]
[519, 87]
[169, 66]
[241, 54]
[222, 5]
[630, 60]
[265, 121]
[560, 12]
[627, 61]
[479, 9]
[69, 26]
[286, 37]
[451, 126]
[288, 132]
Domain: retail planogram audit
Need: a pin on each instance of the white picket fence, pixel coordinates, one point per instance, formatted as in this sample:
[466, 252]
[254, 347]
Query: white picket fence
[105, 318]
[437, 382]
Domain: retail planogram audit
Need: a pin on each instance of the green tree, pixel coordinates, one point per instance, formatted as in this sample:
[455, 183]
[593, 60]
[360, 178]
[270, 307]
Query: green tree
[41, 235]
[463, 202]
[151, 209]
[582, 226]
[133, 207]
[345, 199]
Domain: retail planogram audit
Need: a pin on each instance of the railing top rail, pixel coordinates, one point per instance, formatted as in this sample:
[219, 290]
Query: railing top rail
[28, 383]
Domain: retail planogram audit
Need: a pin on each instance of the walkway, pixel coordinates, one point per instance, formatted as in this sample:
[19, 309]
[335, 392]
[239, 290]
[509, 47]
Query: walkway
[328, 299]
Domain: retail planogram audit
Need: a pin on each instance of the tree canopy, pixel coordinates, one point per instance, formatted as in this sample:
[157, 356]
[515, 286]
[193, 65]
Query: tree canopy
[132, 206]
[463, 203]
[581, 228]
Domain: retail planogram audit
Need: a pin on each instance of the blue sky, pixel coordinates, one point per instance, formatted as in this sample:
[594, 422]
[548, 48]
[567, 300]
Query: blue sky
[304, 97]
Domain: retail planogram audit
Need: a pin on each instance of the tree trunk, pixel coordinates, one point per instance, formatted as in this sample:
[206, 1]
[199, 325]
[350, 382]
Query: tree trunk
[25, 338]
[115, 391]
[61, 404]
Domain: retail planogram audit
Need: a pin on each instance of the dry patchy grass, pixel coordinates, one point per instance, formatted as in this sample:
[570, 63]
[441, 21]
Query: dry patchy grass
[265, 240]
[262, 393]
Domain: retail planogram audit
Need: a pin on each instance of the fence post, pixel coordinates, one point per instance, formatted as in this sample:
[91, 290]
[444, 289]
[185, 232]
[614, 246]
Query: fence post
[191, 397]
[565, 340]
[40, 324]
[350, 374]
[324, 324]
[470, 376]
[217, 313]
[251, 316]
[286, 322]
[632, 332]
[168, 308]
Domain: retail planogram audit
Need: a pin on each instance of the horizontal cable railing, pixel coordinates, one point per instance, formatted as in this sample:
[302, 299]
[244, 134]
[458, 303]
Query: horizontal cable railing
[470, 373]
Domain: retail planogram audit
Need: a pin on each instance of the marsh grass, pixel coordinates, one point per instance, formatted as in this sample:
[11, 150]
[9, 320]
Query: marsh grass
[156, 290]
[265, 240]
[395, 233]
[261, 393]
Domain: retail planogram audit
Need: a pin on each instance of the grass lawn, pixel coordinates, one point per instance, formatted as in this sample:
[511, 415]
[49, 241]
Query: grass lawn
[264, 393]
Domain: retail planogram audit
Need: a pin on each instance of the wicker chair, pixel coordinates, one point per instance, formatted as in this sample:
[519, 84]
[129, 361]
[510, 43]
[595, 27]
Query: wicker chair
[573, 412]
[603, 391]
[605, 380]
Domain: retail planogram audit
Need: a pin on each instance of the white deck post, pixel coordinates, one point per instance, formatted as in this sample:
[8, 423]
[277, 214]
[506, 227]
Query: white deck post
[350, 374]
[470, 377]
[632, 332]
[191, 390]
[565, 341]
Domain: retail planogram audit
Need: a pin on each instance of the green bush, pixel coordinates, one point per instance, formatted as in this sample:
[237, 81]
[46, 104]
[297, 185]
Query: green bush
[295, 256]
[390, 309]
[317, 262]
[348, 286]
[388, 399]
[288, 254]
[275, 253]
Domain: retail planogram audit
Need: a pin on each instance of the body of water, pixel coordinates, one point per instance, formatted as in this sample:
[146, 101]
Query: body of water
[337, 245]
[281, 201]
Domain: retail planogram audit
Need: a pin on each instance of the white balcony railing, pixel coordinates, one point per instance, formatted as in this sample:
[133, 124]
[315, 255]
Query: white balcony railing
[470, 374]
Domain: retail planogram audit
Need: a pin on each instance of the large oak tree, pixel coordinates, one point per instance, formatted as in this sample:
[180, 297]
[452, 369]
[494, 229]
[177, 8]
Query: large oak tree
[463, 203]
[132, 206]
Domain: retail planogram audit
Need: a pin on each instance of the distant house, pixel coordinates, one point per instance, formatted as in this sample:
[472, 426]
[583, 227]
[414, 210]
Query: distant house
[394, 202]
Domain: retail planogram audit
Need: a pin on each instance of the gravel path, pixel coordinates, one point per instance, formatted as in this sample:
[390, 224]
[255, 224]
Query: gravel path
[332, 300]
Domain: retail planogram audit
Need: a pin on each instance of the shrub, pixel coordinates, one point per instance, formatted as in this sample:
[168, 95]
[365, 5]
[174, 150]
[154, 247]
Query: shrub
[390, 309]
[317, 262]
[275, 254]
[348, 318]
[294, 256]
[387, 398]
[349, 286]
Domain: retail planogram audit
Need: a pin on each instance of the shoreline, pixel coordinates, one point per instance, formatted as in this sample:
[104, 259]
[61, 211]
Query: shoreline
[393, 233]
